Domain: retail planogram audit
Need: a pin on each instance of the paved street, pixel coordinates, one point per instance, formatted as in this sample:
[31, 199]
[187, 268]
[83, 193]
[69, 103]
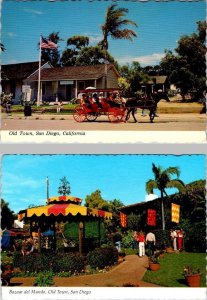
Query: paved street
[165, 122]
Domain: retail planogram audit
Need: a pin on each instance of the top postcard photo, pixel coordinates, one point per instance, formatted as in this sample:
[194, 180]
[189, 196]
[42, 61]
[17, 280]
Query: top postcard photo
[103, 71]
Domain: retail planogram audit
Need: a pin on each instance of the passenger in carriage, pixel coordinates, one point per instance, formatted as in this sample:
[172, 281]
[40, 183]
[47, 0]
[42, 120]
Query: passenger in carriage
[85, 101]
[96, 100]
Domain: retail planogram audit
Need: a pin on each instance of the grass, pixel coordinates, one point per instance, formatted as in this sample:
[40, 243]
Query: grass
[171, 268]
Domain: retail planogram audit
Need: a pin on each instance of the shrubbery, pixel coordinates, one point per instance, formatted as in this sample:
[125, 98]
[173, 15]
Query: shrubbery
[162, 238]
[195, 240]
[56, 262]
[65, 262]
[102, 257]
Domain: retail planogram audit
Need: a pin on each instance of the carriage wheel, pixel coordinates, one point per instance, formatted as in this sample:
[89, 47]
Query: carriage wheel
[79, 114]
[92, 116]
[116, 115]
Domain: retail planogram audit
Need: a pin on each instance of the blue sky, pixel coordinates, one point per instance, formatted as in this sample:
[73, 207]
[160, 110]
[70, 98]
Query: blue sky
[120, 177]
[160, 25]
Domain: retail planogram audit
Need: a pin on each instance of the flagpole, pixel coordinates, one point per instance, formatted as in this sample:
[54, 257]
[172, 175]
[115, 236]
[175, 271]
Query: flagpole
[39, 74]
[47, 187]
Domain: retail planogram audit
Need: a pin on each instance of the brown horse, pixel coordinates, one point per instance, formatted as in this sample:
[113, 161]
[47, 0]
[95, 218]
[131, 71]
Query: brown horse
[149, 102]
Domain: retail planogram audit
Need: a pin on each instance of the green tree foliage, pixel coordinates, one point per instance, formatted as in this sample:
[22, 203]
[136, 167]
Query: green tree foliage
[163, 180]
[64, 188]
[134, 221]
[74, 46]
[79, 53]
[52, 55]
[7, 215]
[113, 26]
[134, 75]
[95, 200]
[186, 67]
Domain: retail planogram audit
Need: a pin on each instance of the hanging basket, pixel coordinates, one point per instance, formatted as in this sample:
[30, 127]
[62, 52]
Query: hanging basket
[193, 280]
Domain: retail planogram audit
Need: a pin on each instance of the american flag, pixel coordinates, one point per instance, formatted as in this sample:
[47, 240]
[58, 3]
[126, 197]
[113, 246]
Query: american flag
[47, 44]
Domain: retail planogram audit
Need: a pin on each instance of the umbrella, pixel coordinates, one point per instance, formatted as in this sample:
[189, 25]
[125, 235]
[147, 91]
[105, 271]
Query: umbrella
[48, 233]
[90, 88]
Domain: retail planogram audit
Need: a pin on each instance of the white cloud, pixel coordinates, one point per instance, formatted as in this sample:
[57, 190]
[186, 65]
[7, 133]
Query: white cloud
[93, 37]
[11, 34]
[144, 60]
[33, 11]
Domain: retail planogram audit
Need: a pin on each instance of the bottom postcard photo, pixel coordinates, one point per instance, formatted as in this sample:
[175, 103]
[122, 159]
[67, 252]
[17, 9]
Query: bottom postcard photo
[74, 223]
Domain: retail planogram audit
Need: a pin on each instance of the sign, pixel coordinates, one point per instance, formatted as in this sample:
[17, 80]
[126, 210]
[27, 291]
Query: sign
[123, 219]
[66, 82]
[151, 217]
[175, 210]
[26, 88]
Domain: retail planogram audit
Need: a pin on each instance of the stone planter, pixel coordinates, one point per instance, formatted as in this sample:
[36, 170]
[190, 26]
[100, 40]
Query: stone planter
[193, 280]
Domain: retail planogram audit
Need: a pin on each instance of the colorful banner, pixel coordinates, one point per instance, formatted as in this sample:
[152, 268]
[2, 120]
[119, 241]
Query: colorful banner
[123, 219]
[151, 217]
[175, 210]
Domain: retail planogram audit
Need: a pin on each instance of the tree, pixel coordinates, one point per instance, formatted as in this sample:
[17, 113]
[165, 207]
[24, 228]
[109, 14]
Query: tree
[135, 75]
[74, 46]
[95, 200]
[7, 215]
[64, 188]
[79, 53]
[52, 55]
[186, 67]
[163, 180]
[113, 25]
[93, 56]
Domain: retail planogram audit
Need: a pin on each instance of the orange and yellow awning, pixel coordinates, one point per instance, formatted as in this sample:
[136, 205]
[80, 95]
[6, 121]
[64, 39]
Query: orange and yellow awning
[63, 210]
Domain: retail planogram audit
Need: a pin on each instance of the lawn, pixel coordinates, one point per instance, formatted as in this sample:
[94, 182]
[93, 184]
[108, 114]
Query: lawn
[67, 108]
[171, 268]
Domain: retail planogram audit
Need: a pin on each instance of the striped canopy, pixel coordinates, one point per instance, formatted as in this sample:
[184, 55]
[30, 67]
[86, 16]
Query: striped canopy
[64, 198]
[62, 210]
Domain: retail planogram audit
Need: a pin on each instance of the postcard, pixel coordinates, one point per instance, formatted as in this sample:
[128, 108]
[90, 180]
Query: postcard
[103, 72]
[103, 226]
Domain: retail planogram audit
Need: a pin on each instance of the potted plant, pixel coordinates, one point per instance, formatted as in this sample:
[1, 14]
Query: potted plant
[192, 276]
[7, 270]
[154, 264]
[161, 254]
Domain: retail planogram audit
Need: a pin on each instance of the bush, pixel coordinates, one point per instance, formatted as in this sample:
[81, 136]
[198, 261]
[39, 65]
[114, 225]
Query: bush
[55, 262]
[162, 238]
[196, 238]
[102, 257]
[73, 263]
[44, 279]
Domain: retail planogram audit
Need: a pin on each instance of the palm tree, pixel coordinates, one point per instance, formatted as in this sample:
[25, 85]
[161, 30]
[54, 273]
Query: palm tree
[113, 25]
[163, 180]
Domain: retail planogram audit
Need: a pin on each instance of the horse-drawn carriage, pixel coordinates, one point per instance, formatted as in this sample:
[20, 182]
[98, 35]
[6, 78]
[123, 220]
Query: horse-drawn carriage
[97, 102]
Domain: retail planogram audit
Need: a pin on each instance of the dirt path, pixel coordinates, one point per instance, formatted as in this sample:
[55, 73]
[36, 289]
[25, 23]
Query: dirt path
[130, 271]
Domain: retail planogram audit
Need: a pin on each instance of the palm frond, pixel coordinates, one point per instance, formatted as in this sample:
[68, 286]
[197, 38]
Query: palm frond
[173, 170]
[123, 34]
[176, 183]
[150, 186]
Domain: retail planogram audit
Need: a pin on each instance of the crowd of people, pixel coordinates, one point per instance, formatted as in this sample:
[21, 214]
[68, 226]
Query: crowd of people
[177, 239]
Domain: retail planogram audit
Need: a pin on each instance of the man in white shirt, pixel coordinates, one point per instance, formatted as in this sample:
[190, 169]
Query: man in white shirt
[150, 240]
